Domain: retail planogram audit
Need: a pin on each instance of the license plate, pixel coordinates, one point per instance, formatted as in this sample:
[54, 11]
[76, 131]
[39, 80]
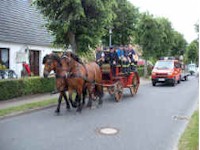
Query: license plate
[161, 79]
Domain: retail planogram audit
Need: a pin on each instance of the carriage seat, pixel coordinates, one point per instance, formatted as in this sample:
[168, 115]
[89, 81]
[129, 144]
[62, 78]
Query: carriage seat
[105, 68]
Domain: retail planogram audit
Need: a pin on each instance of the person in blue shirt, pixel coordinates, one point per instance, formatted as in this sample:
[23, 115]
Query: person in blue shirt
[120, 54]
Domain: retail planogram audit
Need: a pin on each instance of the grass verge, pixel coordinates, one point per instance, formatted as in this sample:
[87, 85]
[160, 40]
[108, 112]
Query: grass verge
[27, 107]
[190, 138]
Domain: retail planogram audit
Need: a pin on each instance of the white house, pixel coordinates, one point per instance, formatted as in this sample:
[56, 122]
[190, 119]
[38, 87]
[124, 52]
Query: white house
[23, 36]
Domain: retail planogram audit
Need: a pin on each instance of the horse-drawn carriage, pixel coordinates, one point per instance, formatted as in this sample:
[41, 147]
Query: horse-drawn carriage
[73, 75]
[116, 83]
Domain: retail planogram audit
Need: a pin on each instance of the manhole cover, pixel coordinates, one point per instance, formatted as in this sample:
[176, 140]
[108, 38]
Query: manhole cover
[108, 131]
[180, 117]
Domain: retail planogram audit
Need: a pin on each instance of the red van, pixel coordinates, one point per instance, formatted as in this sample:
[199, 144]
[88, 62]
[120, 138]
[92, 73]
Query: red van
[167, 70]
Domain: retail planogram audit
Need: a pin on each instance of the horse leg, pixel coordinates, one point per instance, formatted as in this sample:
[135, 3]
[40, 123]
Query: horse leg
[74, 104]
[66, 100]
[79, 104]
[99, 90]
[59, 103]
[90, 90]
[89, 104]
[84, 95]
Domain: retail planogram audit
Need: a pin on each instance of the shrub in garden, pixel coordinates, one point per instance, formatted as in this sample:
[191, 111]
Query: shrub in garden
[25, 86]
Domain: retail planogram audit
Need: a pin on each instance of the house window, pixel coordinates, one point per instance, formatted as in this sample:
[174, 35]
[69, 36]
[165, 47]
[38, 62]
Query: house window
[4, 57]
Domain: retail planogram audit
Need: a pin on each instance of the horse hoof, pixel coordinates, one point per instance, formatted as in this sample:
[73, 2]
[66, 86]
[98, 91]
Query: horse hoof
[89, 105]
[100, 102]
[79, 110]
[57, 111]
[74, 105]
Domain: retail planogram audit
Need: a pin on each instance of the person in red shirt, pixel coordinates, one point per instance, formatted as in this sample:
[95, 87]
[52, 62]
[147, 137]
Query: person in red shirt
[26, 69]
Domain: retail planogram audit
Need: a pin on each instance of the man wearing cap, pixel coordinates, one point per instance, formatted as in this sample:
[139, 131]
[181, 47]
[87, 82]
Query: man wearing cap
[113, 60]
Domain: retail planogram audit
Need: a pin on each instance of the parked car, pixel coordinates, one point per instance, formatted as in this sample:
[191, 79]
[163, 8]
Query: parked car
[192, 68]
[8, 74]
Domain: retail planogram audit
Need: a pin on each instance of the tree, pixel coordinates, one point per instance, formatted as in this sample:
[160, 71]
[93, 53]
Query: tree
[80, 23]
[147, 36]
[179, 44]
[165, 40]
[192, 53]
[123, 26]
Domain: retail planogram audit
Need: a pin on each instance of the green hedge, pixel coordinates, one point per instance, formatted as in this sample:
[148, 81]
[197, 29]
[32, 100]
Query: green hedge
[25, 86]
[141, 71]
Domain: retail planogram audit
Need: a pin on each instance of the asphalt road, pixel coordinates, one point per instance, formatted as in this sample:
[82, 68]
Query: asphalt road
[151, 120]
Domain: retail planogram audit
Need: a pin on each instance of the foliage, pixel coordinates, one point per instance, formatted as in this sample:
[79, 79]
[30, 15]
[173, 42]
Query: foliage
[165, 40]
[140, 70]
[192, 53]
[77, 22]
[179, 44]
[190, 138]
[20, 87]
[2, 67]
[147, 34]
[123, 26]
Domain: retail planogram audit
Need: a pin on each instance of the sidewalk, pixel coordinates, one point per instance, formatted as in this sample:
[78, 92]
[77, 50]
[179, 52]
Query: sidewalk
[40, 97]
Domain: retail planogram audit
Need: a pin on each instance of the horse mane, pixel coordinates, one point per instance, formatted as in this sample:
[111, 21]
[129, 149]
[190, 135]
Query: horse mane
[76, 58]
[44, 59]
[51, 56]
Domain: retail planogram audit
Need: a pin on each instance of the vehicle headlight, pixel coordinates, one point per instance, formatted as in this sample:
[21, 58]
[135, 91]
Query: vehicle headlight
[170, 73]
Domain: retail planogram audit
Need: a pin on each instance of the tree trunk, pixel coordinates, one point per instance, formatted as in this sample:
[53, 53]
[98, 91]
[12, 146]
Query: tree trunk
[72, 41]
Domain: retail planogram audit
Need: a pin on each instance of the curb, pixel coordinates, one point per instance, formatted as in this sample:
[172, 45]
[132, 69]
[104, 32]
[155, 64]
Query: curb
[19, 113]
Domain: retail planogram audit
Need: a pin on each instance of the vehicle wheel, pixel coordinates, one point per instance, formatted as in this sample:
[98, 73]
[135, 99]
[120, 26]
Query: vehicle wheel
[179, 81]
[153, 83]
[186, 78]
[135, 86]
[118, 91]
[174, 82]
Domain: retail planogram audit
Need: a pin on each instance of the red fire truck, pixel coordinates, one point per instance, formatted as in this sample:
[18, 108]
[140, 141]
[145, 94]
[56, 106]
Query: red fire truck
[167, 70]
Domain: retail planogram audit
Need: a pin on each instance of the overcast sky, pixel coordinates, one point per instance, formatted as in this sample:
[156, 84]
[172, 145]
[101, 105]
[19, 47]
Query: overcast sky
[183, 14]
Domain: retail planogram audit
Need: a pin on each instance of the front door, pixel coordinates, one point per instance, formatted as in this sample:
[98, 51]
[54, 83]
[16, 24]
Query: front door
[34, 62]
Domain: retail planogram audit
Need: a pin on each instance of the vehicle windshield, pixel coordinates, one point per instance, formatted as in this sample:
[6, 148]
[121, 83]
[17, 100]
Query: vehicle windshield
[192, 66]
[164, 65]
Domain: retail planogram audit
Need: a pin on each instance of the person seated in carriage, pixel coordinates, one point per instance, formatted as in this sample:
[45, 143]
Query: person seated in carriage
[120, 54]
[126, 60]
[100, 56]
[133, 58]
[113, 60]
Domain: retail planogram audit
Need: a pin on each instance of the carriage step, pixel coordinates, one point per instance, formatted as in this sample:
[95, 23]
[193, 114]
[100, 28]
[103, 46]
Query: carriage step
[129, 85]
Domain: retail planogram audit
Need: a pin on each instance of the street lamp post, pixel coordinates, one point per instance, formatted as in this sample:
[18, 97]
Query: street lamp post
[110, 37]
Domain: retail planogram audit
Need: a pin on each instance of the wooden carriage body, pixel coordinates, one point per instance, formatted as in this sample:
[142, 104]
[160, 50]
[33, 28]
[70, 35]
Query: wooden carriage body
[116, 84]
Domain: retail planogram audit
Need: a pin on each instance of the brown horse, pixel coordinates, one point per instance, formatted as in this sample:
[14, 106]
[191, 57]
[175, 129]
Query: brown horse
[52, 63]
[82, 77]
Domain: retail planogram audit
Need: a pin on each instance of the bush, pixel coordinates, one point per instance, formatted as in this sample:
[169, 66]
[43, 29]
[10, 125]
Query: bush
[141, 70]
[26, 86]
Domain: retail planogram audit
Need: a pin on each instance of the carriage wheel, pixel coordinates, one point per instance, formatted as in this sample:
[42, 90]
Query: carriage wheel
[118, 91]
[135, 86]
[111, 90]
